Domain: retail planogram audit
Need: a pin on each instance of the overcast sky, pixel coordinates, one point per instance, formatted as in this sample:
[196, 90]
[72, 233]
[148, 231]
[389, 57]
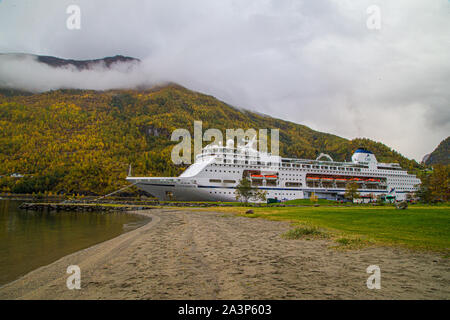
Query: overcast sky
[312, 62]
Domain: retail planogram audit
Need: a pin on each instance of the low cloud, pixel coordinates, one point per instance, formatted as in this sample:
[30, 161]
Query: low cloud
[25, 72]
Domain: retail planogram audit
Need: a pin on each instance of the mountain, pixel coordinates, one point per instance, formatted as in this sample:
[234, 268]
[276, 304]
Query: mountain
[440, 155]
[83, 141]
[80, 65]
[86, 64]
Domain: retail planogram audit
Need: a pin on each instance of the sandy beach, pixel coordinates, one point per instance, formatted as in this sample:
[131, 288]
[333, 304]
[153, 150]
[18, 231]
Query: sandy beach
[206, 255]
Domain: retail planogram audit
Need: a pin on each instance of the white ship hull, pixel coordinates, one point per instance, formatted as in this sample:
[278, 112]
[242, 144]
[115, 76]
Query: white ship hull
[214, 177]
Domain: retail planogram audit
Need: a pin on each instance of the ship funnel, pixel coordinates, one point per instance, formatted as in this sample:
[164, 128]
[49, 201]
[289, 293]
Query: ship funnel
[364, 156]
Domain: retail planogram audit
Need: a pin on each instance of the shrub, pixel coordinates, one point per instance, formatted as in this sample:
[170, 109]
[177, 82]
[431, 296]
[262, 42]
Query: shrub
[350, 242]
[302, 232]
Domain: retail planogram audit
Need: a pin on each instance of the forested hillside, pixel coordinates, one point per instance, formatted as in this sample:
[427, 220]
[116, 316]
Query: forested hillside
[440, 155]
[79, 141]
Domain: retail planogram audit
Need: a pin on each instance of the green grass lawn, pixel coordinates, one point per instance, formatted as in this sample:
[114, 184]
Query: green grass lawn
[420, 227]
[307, 202]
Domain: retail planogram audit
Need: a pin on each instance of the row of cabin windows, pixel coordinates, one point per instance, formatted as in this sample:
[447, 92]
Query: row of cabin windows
[224, 171]
[229, 192]
[288, 184]
[309, 166]
[293, 184]
[412, 180]
[314, 167]
[297, 166]
[220, 181]
[219, 192]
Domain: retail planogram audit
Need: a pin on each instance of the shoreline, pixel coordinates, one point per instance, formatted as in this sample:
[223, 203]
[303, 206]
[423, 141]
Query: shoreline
[183, 254]
[81, 250]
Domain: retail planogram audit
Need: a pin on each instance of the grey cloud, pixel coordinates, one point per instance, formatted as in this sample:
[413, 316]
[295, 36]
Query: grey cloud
[313, 62]
[19, 71]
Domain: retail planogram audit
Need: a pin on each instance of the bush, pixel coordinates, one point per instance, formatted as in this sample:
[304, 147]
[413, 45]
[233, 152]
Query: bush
[401, 205]
[350, 242]
[302, 232]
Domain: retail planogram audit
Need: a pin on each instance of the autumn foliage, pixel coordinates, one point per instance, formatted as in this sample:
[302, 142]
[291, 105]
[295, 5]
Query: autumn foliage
[80, 141]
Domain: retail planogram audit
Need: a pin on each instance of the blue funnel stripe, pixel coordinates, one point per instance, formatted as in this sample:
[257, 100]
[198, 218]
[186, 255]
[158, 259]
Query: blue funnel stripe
[361, 150]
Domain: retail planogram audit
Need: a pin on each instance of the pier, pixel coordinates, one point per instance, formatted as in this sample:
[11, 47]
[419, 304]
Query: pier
[113, 206]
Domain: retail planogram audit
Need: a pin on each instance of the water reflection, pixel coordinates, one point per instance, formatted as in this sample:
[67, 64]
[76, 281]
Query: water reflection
[31, 239]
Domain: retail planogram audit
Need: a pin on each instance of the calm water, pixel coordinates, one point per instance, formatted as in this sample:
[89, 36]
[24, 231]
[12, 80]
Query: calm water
[29, 239]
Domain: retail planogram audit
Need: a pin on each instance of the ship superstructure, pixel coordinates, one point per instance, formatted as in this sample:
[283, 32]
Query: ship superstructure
[218, 169]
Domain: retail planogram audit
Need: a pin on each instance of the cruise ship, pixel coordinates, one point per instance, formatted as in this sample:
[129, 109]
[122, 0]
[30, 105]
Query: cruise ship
[218, 169]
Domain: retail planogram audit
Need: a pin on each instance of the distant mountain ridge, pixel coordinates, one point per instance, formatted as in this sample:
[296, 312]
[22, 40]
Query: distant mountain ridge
[81, 65]
[440, 155]
[86, 64]
[22, 72]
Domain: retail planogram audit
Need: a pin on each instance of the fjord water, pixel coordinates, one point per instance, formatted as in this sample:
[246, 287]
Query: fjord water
[29, 239]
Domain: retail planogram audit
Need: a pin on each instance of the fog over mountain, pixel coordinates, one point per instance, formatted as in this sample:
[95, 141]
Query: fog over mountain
[42, 73]
[312, 62]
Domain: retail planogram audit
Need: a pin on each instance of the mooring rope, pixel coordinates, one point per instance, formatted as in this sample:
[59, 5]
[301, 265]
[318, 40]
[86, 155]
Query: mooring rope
[110, 194]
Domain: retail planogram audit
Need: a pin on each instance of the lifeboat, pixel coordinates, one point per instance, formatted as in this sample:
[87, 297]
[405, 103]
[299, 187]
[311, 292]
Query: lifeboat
[313, 178]
[257, 176]
[271, 177]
